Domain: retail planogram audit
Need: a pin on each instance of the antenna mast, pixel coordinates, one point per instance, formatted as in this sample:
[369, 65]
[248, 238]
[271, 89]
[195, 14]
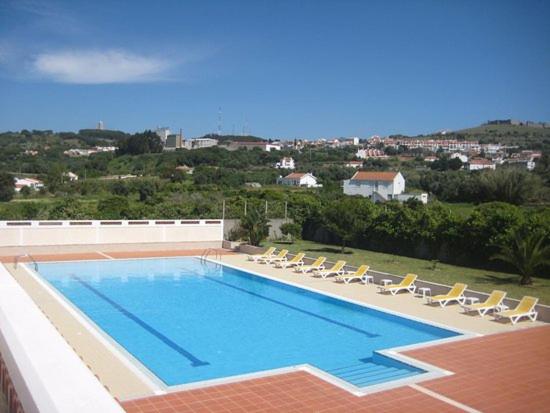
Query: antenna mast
[219, 120]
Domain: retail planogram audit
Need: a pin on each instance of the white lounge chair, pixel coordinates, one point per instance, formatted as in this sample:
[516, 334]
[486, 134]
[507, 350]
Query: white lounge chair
[455, 294]
[337, 269]
[492, 302]
[350, 276]
[298, 259]
[267, 253]
[318, 264]
[406, 284]
[525, 308]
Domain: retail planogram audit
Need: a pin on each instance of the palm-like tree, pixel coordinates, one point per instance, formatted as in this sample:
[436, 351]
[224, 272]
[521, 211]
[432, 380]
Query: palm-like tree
[527, 253]
[255, 226]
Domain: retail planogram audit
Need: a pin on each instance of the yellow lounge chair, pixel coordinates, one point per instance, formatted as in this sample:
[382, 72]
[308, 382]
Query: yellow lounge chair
[297, 260]
[406, 284]
[269, 252]
[525, 308]
[455, 294]
[317, 265]
[350, 276]
[337, 269]
[281, 256]
[491, 303]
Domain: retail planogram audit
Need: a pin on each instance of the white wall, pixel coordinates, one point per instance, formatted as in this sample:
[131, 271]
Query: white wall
[30, 233]
[47, 374]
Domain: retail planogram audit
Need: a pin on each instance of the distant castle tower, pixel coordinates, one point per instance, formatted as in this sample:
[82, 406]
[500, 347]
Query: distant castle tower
[100, 125]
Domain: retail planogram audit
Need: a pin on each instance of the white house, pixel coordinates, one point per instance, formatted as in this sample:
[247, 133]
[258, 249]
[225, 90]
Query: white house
[380, 186]
[463, 158]
[480, 163]
[71, 176]
[386, 184]
[285, 163]
[299, 179]
[32, 183]
[354, 164]
[370, 153]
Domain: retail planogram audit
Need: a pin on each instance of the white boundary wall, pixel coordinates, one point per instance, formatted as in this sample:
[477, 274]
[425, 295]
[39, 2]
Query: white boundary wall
[89, 232]
[47, 374]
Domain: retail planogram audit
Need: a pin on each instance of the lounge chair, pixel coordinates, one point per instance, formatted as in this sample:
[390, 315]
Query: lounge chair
[281, 256]
[337, 269]
[491, 303]
[267, 253]
[317, 265]
[406, 284]
[455, 294]
[525, 308]
[297, 260]
[350, 276]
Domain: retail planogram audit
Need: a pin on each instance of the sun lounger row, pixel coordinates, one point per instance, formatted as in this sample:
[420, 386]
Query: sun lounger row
[494, 303]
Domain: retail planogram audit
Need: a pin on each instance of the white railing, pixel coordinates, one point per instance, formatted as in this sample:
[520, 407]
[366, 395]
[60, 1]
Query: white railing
[78, 232]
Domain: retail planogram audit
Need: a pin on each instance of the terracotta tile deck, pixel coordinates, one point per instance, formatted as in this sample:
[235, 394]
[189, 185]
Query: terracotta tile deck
[508, 372]
[99, 255]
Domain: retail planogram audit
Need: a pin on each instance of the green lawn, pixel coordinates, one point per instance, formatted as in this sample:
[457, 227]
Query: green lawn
[480, 280]
[461, 209]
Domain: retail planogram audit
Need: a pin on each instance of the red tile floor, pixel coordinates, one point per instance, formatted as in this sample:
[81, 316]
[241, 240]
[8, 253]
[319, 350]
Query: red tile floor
[507, 372]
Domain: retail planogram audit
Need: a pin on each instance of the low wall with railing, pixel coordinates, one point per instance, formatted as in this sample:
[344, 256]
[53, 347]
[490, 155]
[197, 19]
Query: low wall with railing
[86, 232]
[435, 288]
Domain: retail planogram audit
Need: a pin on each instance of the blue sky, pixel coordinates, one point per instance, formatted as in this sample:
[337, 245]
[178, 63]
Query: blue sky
[282, 68]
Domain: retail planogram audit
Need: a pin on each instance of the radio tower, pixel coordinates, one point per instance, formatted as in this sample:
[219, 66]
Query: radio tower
[219, 121]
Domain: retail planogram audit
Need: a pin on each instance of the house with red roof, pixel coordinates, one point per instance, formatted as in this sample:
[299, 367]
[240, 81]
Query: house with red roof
[480, 163]
[380, 186]
[299, 179]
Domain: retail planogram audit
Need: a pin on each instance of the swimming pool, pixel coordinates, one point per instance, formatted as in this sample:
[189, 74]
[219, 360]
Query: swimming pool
[187, 321]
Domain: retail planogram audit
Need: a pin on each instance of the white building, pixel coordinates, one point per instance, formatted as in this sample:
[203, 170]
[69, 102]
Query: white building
[480, 163]
[354, 164]
[263, 145]
[463, 158]
[197, 143]
[380, 186]
[32, 183]
[71, 176]
[370, 153]
[163, 133]
[285, 163]
[299, 179]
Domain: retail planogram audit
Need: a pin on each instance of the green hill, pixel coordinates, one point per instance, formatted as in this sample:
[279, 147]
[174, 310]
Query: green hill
[526, 137]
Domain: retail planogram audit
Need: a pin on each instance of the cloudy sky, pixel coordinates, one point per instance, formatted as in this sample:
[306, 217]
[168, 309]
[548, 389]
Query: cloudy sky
[276, 68]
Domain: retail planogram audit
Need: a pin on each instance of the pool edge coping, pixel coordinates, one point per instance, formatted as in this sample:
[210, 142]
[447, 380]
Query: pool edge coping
[158, 387]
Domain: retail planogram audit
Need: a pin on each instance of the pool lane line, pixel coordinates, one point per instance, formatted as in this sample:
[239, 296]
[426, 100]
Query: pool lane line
[271, 300]
[105, 255]
[444, 399]
[195, 362]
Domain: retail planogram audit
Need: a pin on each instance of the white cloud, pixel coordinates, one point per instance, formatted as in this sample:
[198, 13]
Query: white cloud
[96, 67]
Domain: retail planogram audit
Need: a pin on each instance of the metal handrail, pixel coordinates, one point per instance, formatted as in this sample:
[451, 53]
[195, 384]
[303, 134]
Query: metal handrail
[17, 258]
[207, 252]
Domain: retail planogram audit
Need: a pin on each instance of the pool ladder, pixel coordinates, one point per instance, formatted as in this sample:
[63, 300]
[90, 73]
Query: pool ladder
[211, 252]
[18, 258]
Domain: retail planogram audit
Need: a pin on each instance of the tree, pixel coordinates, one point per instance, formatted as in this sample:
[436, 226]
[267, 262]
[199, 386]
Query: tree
[7, 187]
[291, 230]
[255, 226]
[140, 143]
[345, 218]
[527, 253]
[114, 207]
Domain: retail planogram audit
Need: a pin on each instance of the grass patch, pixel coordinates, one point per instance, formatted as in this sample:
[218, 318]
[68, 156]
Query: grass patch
[480, 280]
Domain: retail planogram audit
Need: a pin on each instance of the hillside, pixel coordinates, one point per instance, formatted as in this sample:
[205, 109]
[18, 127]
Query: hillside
[527, 137]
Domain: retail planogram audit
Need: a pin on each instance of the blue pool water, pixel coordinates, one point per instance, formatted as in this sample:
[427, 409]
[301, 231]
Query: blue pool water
[189, 321]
